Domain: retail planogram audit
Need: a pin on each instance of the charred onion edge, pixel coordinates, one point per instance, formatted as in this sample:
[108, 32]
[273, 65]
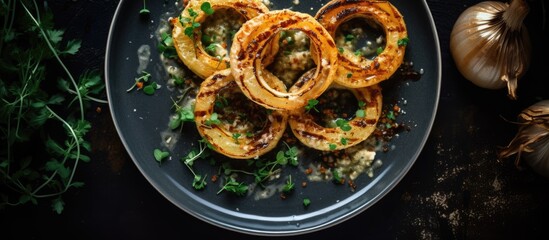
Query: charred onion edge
[249, 48]
[190, 51]
[366, 72]
[318, 137]
[220, 137]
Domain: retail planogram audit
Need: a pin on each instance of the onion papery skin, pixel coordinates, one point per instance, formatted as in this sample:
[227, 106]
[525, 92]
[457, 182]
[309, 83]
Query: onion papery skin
[536, 154]
[366, 72]
[531, 143]
[191, 51]
[220, 136]
[248, 52]
[490, 44]
[315, 136]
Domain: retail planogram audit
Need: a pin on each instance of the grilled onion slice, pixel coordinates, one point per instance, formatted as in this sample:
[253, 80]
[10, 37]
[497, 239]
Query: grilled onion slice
[190, 49]
[232, 132]
[359, 72]
[314, 135]
[252, 43]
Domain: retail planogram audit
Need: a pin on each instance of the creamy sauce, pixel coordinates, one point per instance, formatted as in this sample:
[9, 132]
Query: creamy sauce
[359, 38]
[293, 58]
[218, 29]
[144, 57]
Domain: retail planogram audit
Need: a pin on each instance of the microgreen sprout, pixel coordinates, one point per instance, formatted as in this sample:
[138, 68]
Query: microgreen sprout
[306, 202]
[360, 112]
[191, 24]
[343, 124]
[182, 115]
[143, 82]
[269, 168]
[238, 188]
[214, 120]
[160, 155]
[236, 136]
[349, 37]
[206, 7]
[379, 50]
[144, 10]
[403, 41]
[166, 46]
[311, 104]
[336, 177]
[391, 115]
[289, 186]
[199, 182]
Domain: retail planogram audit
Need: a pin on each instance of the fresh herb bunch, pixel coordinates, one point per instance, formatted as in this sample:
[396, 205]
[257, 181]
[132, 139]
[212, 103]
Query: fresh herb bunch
[42, 110]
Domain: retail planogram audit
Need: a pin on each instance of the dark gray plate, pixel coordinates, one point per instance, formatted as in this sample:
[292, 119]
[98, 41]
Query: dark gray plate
[141, 119]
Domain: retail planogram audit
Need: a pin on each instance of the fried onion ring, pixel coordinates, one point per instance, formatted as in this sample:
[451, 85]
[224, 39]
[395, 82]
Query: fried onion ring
[233, 137]
[252, 43]
[190, 50]
[356, 72]
[313, 135]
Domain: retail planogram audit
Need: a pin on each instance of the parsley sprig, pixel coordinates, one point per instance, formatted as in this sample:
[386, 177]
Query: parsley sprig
[36, 113]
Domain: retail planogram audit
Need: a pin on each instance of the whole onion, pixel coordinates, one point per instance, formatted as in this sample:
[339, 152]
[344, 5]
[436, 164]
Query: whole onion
[490, 44]
[531, 143]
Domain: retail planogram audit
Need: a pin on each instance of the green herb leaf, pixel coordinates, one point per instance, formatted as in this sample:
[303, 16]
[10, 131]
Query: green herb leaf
[236, 136]
[336, 177]
[149, 89]
[207, 8]
[360, 113]
[238, 188]
[379, 50]
[289, 186]
[343, 124]
[160, 155]
[403, 41]
[199, 182]
[306, 202]
[311, 104]
[57, 204]
[144, 10]
[55, 36]
[31, 48]
[213, 120]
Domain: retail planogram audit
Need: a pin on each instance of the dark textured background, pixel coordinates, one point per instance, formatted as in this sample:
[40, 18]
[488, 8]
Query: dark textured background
[457, 188]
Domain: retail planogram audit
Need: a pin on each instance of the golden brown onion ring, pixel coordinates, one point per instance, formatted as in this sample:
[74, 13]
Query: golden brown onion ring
[252, 43]
[356, 73]
[191, 51]
[313, 135]
[221, 135]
